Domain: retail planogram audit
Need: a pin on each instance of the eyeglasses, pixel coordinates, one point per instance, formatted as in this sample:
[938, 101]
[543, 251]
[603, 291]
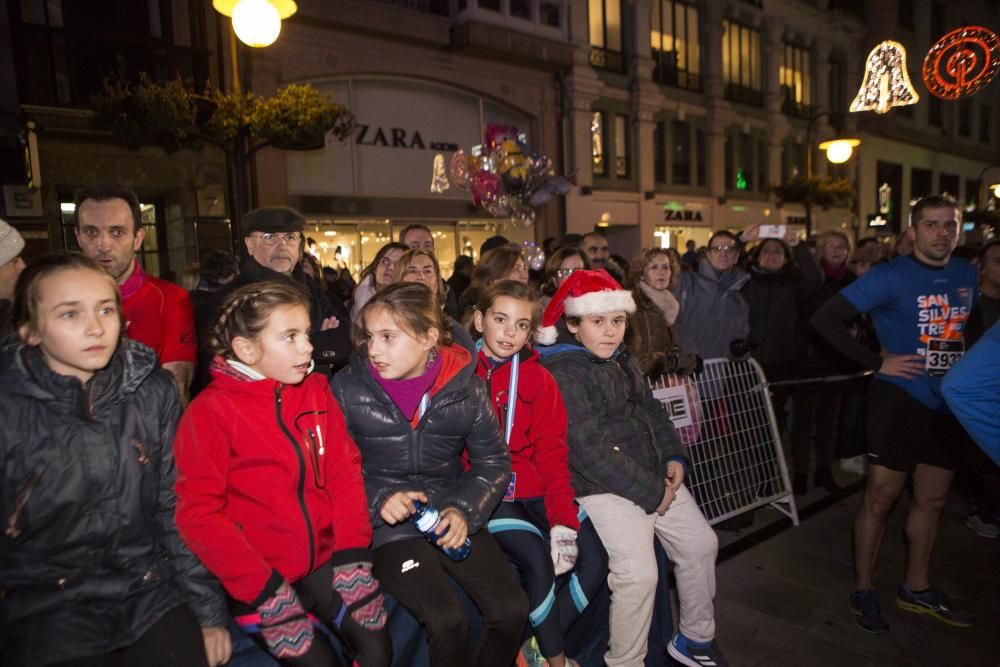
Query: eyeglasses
[289, 238]
[723, 248]
[565, 273]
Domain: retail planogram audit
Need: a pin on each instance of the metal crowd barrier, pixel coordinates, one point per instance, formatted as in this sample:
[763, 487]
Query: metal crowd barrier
[724, 417]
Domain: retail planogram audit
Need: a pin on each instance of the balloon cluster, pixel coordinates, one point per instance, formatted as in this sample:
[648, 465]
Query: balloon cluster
[506, 176]
[534, 256]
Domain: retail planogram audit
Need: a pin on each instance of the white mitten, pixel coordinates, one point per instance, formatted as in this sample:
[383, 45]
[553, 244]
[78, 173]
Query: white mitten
[564, 551]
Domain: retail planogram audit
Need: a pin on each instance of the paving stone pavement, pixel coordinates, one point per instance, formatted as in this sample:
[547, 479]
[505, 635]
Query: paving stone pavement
[782, 600]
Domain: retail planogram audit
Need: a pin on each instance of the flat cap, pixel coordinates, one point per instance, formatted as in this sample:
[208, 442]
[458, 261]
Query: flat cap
[273, 219]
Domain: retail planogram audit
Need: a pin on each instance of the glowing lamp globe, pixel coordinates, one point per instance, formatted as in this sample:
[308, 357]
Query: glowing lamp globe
[996, 190]
[256, 22]
[839, 151]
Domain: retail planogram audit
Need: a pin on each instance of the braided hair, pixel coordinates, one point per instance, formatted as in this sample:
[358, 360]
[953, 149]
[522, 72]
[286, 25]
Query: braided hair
[245, 312]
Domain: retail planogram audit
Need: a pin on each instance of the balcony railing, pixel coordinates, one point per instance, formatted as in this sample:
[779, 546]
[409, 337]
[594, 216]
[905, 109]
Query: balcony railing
[609, 60]
[744, 95]
[666, 72]
[435, 7]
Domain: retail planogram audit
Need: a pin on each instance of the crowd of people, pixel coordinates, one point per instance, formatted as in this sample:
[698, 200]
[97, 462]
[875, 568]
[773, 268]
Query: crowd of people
[185, 471]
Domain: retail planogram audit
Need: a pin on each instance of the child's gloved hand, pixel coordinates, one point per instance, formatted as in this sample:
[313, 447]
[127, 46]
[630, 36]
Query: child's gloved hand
[564, 549]
[284, 624]
[362, 595]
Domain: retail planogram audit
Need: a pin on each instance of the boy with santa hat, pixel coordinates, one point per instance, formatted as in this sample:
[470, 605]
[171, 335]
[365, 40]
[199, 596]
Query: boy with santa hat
[628, 468]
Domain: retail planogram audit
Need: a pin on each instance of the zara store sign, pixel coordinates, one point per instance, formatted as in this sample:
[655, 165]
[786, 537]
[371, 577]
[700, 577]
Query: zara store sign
[401, 126]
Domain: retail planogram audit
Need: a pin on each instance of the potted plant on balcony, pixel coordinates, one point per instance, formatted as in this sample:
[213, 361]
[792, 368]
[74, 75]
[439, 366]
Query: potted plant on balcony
[812, 191]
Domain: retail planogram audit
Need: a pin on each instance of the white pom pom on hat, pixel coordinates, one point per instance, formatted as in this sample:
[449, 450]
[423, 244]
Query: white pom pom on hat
[585, 292]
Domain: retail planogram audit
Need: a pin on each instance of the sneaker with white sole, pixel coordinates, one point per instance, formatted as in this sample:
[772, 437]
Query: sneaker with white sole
[696, 654]
[934, 605]
[983, 526]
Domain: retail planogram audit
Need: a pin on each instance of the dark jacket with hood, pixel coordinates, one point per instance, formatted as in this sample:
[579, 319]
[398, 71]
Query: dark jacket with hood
[397, 455]
[778, 305]
[652, 340]
[331, 348]
[713, 311]
[620, 438]
[91, 558]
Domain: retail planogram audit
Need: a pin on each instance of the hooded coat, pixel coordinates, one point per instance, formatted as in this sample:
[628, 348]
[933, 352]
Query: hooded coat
[713, 313]
[91, 558]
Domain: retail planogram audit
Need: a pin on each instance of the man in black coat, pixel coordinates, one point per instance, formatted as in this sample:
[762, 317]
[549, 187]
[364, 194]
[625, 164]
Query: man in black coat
[274, 240]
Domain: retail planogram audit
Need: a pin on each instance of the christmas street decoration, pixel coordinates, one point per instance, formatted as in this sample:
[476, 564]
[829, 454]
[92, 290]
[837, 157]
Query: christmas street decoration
[886, 83]
[963, 62]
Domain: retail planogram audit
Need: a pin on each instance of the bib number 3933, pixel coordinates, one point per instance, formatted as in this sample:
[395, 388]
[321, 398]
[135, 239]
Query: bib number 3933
[942, 354]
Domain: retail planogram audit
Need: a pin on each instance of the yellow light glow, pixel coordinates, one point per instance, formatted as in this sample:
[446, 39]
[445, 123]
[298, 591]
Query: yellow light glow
[285, 7]
[839, 151]
[887, 82]
[256, 22]
[996, 190]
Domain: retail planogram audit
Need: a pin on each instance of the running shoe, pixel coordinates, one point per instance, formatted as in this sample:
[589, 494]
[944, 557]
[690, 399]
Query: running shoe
[935, 605]
[983, 525]
[868, 612]
[696, 654]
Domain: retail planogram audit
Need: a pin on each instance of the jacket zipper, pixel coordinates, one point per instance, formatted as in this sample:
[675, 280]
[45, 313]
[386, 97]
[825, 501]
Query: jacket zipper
[301, 491]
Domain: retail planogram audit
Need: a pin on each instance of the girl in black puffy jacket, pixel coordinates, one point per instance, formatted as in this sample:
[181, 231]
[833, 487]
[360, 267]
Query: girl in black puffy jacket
[412, 404]
[92, 571]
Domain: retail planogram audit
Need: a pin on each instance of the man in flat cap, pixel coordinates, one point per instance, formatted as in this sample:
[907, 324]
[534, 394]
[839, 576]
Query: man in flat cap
[273, 238]
[11, 264]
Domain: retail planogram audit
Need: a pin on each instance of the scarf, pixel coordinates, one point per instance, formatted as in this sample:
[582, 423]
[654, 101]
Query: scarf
[834, 273]
[406, 394]
[665, 301]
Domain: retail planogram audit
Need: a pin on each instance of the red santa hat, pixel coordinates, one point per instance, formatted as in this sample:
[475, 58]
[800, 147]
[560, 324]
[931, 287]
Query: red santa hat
[583, 293]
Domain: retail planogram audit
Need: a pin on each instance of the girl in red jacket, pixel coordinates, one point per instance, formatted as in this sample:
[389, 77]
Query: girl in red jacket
[269, 488]
[538, 525]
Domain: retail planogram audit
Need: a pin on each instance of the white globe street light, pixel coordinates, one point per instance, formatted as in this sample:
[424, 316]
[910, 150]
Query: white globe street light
[256, 22]
[839, 151]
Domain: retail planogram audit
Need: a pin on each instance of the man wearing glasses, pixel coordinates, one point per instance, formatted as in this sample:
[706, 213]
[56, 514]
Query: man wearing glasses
[274, 240]
[157, 313]
[713, 314]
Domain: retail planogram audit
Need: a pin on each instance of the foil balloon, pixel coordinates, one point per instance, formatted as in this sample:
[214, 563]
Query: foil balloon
[458, 170]
[486, 188]
[439, 179]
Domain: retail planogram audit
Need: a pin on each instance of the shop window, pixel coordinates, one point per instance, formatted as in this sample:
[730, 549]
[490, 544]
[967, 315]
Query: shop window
[606, 34]
[741, 63]
[660, 152]
[621, 146]
[151, 255]
[675, 43]
[680, 154]
[795, 79]
[746, 169]
[598, 141]
[921, 182]
[948, 184]
[985, 121]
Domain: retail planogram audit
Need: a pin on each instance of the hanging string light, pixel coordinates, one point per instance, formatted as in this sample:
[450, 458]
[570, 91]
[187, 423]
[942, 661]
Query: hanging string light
[886, 83]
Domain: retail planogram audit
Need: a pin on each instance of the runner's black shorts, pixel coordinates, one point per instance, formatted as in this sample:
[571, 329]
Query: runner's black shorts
[903, 432]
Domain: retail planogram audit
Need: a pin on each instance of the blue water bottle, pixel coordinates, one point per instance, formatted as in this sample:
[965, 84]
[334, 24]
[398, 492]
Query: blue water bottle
[427, 519]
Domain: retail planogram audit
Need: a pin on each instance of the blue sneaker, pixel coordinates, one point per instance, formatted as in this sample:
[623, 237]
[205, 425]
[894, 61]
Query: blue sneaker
[934, 605]
[696, 654]
[868, 612]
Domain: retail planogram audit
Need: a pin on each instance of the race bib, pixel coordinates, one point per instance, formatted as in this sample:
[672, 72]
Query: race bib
[942, 354]
[509, 496]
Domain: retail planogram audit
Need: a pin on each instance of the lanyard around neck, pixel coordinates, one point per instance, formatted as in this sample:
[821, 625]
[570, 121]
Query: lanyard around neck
[515, 365]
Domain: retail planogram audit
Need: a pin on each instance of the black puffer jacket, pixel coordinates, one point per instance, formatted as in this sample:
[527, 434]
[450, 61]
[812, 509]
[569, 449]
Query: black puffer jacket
[620, 438]
[91, 558]
[395, 456]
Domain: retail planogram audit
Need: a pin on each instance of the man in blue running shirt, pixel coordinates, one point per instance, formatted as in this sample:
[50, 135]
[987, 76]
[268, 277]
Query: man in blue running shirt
[919, 304]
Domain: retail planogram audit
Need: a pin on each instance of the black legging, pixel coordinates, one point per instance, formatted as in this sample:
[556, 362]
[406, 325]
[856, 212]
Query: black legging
[173, 641]
[416, 572]
[522, 530]
[369, 648]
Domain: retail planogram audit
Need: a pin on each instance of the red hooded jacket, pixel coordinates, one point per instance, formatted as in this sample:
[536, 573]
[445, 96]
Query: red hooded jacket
[538, 451]
[269, 482]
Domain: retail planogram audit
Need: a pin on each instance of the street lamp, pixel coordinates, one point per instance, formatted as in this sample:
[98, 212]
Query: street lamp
[838, 150]
[256, 22]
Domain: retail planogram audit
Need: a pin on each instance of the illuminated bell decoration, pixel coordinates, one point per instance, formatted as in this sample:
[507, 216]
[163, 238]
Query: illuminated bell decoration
[886, 83]
[963, 62]
[839, 151]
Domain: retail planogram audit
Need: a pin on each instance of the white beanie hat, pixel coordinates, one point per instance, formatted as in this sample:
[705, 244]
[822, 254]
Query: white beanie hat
[11, 243]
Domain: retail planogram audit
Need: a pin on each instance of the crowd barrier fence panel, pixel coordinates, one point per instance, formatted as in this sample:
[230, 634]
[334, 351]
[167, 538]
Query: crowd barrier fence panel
[725, 419]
